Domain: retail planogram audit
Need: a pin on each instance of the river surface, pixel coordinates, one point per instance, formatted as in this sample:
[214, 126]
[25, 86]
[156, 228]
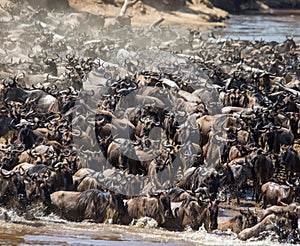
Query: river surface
[269, 27]
[51, 230]
[54, 231]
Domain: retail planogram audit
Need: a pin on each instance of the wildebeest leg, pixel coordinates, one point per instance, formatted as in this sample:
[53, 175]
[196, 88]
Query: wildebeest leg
[277, 165]
[228, 196]
[264, 206]
[110, 214]
[123, 164]
[236, 193]
[233, 194]
[256, 190]
[238, 197]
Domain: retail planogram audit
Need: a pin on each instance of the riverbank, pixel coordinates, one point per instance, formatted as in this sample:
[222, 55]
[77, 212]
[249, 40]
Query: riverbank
[193, 15]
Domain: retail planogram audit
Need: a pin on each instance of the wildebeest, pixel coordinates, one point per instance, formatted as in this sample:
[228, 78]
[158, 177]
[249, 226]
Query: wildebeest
[275, 137]
[44, 101]
[275, 194]
[263, 171]
[107, 124]
[277, 209]
[88, 183]
[94, 205]
[55, 178]
[282, 224]
[207, 178]
[158, 208]
[12, 189]
[6, 123]
[195, 213]
[245, 219]
[177, 194]
[291, 160]
[241, 171]
[83, 172]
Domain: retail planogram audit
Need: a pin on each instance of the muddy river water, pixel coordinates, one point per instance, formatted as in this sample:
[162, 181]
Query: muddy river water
[270, 27]
[51, 230]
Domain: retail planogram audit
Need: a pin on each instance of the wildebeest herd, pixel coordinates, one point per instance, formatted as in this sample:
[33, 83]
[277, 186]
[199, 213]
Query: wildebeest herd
[111, 124]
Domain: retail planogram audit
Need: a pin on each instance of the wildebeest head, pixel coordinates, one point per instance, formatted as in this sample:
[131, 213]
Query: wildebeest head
[286, 224]
[165, 201]
[37, 191]
[167, 207]
[209, 179]
[214, 211]
[61, 178]
[195, 213]
[119, 210]
[12, 186]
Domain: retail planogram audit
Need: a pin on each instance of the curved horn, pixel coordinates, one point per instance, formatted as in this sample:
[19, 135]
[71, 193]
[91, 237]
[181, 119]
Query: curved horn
[223, 139]
[58, 165]
[19, 150]
[157, 123]
[21, 171]
[98, 122]
[5, 173]
[181, 113]
[165, 144]
[78, 134]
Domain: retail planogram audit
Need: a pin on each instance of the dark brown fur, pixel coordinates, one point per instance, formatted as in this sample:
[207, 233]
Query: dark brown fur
[239, 222]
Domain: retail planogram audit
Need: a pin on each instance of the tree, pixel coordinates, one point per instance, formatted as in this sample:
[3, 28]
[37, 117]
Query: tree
[127, 4]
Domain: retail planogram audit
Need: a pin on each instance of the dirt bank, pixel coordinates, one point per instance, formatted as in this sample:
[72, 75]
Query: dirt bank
[193, 15]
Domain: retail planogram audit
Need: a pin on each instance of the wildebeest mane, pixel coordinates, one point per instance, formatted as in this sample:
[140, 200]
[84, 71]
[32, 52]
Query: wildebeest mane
[93, 203]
